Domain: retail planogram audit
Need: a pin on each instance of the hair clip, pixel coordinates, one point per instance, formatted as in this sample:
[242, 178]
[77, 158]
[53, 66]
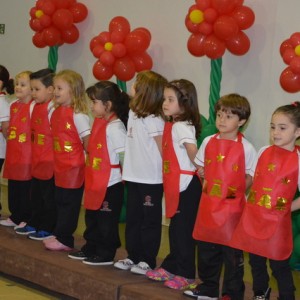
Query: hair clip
[294, 104]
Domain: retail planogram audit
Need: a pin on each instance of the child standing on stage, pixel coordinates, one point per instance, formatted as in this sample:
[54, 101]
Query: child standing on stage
[6, 87]
[17, 167]
[265, 228]
[225, 160]
[42, 222]
[182, 186]
[143, 173]
[70, 127]
[104, 189]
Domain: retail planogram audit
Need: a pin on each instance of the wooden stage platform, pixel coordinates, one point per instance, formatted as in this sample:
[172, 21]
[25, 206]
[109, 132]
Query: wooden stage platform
[28, 260]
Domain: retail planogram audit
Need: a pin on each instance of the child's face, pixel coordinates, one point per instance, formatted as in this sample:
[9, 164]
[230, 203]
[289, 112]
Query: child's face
[228, 124]
[62, 92]
[22, 88]
[98, 108]
[170, 105]
[40, 93]
[283, 132]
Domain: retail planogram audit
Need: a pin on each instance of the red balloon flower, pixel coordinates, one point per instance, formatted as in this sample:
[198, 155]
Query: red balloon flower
[290, 53]
[217, 25]
[53, 22]
[120, 51]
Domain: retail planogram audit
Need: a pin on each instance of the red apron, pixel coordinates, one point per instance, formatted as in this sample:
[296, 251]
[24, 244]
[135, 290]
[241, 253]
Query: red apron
[42, 143]
[223, 194]
[69, 161]
[18, 149]
[265, 227]
[98, 167]
[171, 172]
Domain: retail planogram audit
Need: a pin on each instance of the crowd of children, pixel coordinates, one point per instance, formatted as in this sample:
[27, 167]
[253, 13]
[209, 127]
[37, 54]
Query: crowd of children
[222, 199]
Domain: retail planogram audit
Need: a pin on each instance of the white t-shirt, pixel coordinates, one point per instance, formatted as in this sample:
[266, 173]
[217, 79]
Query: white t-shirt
[260, 153]
[143, 161]
[116, 137]
[4, 116]
[82, 123]
[182, 133]
[249, 150]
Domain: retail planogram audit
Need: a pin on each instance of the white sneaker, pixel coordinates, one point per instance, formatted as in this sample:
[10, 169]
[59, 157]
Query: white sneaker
[21, 225]
[124, 264]
[8, 222]
[141, 268]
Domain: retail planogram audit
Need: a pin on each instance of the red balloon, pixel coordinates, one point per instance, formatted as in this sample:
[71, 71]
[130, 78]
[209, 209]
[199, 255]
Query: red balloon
[104, 37]
[142, 61]
[213, 47]
[284, 46]
[62, 19]
[244, 17]
[98, 50]
[195, 44]
[119, 50]
[107, 59]
[224, 6]
[239, 44]
[119, 24]
[48, 7]
[32, 12]
[45, 21]
[289, 81]
[295, 65]
[193, 7]
[70, 35]
[63, 3]
[102, 72]
[191, 27]
[205, 28]
[94, 42]
[210, 15]
[117, 37]
[79, 12]
[288, 55]
[39, 4]
[145, 31]
[51, 36]
[35, 24]
[225, 27]
[203, 4]
[38, 40]
[137, 41]
[124, 68]
[295, 39]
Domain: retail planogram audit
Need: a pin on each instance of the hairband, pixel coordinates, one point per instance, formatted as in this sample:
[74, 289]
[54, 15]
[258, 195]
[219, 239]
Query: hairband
[294, 104]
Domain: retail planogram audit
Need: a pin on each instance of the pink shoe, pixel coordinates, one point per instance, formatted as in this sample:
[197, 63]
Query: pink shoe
[49, 240]
[180, 283]
[159, 274]
[8, 223]
[55, 245]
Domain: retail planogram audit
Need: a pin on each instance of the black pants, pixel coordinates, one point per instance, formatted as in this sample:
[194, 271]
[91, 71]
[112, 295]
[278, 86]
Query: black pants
[143, 222]
[43, 205]
[19, 200]
[181, 259]
[281, 270]
[102, 225]
[68, 203]
[211, 258]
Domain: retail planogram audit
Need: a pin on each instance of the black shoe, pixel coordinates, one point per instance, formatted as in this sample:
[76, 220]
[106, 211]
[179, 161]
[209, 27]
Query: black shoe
[97, 261]
[79, 255]
[196, 293]
[263, 296]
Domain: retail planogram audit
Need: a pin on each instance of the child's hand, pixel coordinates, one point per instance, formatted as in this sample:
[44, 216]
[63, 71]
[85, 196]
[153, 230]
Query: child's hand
[200, 171]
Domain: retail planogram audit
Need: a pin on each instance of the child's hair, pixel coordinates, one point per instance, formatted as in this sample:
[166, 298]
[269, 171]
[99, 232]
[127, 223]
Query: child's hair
[78, 97]
[109, 91]
[292, 110]
[236, 104]
[148, 98]
[23, 73]
[44, 75]
[186, 94]
[8, 84]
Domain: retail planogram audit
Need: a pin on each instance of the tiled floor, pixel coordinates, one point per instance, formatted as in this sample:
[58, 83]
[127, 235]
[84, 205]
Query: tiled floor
[15, 289]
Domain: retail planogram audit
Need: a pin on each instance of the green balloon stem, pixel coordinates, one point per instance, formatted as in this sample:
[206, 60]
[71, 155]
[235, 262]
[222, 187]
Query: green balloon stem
[53, 57]
[122, 85]
[215, 87]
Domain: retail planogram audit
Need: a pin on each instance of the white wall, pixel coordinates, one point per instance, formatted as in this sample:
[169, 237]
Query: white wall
[255, 75]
